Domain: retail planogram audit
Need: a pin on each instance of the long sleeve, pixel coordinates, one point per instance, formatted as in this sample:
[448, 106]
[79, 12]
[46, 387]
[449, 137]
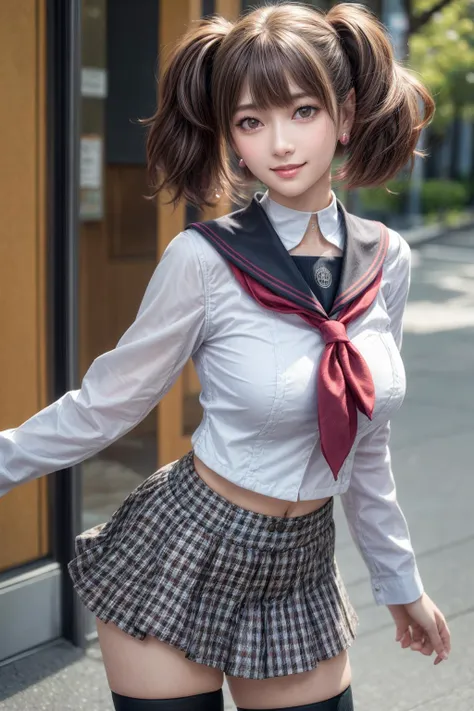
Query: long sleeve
[375, 519]
[123, 385]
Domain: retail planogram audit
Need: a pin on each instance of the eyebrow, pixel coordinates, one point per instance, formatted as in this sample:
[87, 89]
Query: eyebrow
[246, 107]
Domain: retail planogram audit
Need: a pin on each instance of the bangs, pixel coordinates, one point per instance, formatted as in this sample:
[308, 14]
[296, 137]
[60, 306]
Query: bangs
[267, 66]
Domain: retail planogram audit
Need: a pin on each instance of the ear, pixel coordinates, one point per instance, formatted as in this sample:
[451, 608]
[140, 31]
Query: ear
[347, 113]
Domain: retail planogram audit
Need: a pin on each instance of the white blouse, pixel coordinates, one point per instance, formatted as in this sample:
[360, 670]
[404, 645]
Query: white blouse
[258, 373]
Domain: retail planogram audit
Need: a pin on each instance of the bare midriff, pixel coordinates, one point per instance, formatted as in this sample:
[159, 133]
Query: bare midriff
[251, 500]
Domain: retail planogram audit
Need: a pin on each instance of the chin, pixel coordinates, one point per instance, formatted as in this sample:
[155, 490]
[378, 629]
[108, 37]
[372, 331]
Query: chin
[291, 188]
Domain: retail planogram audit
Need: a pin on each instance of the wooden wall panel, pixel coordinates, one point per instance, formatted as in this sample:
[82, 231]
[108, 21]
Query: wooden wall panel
[230, 9]
[23, 520]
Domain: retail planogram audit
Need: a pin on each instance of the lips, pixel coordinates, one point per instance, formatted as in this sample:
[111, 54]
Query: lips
[290, 166]
[288, 172]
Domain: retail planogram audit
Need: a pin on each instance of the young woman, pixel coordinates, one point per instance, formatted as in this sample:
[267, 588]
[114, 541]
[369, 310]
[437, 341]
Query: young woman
[223, 561]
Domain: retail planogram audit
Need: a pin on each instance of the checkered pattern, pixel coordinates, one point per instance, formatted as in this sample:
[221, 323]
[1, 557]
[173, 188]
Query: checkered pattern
[254, 595]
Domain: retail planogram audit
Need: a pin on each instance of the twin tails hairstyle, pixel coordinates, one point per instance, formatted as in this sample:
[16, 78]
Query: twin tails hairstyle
[189, 146]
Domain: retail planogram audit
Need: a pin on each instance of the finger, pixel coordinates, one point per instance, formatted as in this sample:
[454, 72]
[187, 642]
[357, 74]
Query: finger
[445, 634]
[400, 632]
[445, 637]
[417, 632]
[418, 638]
[403, 639]
[424, 647]
[436, 641]
[427, 648]
[406, 639]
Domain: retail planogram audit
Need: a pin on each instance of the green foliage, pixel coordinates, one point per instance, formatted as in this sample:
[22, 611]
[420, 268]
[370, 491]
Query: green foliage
[443, 195]
[469, 185]
[437, 196]
[380, 200]
[442, 53]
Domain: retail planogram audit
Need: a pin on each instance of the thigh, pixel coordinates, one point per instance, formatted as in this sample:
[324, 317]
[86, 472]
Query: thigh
[150, 669]
[329, 678]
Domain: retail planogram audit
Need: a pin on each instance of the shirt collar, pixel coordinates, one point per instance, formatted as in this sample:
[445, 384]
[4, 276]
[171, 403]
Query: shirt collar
[290, 224]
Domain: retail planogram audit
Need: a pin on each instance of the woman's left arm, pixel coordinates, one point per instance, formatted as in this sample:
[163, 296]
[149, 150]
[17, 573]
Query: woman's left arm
[376, 521]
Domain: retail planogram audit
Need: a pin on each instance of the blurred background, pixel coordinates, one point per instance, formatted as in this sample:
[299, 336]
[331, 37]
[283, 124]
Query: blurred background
[78, 244]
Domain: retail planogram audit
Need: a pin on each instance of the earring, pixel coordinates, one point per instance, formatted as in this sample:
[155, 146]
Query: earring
[241, 163]
[344, 139]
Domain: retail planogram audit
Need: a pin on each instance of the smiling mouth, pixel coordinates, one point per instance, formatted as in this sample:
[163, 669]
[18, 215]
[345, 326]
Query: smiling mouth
[288, 167]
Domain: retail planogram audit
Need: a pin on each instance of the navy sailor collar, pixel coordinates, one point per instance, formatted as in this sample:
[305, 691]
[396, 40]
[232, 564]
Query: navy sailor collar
[248, 239]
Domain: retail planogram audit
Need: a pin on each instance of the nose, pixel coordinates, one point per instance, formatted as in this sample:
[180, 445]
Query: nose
[282, 144]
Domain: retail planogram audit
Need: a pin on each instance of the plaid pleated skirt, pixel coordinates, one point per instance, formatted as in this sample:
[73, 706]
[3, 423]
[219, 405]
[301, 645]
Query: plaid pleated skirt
[256, 596]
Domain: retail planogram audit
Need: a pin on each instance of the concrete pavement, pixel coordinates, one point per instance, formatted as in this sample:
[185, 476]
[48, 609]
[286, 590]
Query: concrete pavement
[433, 465]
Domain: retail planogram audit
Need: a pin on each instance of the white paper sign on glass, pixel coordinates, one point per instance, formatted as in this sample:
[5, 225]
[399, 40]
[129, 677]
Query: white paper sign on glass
[94, 82]
[91, 161]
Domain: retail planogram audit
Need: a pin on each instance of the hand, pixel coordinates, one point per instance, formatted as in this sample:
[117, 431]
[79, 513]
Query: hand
[421, 626]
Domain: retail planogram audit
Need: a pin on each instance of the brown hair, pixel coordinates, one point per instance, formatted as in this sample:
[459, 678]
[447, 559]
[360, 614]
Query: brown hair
[326, 54]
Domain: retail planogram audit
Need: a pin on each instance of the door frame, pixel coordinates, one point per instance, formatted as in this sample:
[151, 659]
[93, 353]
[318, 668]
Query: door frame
[64, 107]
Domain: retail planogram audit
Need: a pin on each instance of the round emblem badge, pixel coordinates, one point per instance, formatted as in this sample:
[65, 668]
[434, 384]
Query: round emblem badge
[323, 277]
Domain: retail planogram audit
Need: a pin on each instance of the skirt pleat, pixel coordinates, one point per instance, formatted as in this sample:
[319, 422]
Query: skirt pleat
[253, 595]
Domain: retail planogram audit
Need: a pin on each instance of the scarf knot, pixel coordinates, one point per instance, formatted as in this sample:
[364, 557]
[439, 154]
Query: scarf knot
[333, 331]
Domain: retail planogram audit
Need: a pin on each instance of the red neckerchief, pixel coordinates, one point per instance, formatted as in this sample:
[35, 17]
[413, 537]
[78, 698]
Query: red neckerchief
[345, 382]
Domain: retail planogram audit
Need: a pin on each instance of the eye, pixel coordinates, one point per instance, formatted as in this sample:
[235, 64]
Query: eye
[305, 111]
[248, 123]
[251, 123]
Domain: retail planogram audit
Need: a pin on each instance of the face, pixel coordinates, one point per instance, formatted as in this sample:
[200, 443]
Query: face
[301, 137]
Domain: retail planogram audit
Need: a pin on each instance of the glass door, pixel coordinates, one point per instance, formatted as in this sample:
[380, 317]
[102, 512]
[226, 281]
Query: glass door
[118, 226]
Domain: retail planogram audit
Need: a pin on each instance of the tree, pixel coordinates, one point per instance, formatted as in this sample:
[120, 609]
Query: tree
[418, 18]
[442, 52]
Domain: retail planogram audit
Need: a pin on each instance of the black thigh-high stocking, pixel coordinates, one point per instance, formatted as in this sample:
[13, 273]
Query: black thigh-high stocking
[212, 701]
[341, 702]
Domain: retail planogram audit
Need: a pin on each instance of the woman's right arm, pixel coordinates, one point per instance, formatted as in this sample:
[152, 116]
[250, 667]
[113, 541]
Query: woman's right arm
[123, 385]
